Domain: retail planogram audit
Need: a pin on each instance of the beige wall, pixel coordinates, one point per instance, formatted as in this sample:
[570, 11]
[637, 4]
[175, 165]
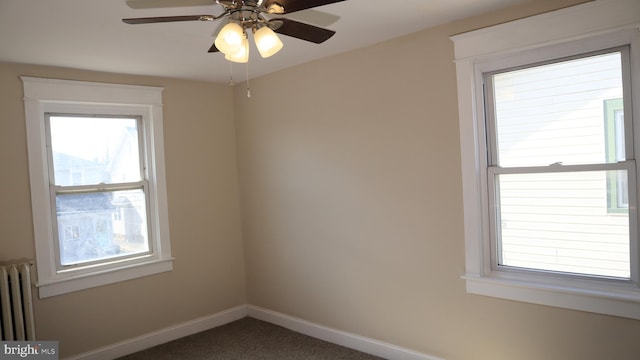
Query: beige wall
[352, 208]
[204, 217]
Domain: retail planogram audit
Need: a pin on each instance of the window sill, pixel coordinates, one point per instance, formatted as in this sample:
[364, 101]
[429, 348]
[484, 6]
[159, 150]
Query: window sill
[618, 300]
[78, 282]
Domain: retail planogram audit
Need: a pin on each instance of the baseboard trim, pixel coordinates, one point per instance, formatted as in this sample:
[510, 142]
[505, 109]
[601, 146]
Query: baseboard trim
[343, 338]
[164, 335]
[353, 341]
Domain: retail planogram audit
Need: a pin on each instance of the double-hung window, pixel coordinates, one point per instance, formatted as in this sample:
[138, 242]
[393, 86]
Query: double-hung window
[97, 183]
[550, 177]
[96, 178]
[548, 143]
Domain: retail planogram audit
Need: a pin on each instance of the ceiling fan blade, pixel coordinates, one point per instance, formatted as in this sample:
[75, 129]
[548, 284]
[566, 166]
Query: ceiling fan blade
[160, 19]
[315, 17]
[213, 49]
[152, 4]
[297, 5]
[300, 30]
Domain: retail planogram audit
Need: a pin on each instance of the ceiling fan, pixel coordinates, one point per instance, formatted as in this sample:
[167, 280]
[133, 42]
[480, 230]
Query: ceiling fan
[243, 16]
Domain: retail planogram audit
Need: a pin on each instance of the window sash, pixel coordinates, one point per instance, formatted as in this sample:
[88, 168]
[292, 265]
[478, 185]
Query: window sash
[140, 126]
[493, 170]
[489, 98]
[56, 190]
[494, 216]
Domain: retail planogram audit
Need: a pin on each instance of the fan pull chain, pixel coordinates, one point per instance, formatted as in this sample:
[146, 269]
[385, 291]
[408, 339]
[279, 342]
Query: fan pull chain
[248, 88]
[231, 83]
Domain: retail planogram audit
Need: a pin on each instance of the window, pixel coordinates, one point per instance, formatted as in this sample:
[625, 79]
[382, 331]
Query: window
[549, 167]
[108, 151]
[97, 183]
[548, 158]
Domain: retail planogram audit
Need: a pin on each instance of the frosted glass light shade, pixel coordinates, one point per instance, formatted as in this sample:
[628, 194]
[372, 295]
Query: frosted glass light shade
[229, 39]
[240, 56]
[267, 42]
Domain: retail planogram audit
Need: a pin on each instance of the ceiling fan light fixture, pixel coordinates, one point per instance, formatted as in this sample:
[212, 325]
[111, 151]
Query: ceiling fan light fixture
[275, 8]
[242, 55]
[230, 38]
[267, 42]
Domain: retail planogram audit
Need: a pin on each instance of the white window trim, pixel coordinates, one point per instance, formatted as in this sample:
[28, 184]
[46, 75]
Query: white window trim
[579, 29]
[65, 96]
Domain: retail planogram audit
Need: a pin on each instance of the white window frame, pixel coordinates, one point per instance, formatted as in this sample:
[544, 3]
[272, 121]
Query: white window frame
[43, 96]
[584, 28]
[494, 169]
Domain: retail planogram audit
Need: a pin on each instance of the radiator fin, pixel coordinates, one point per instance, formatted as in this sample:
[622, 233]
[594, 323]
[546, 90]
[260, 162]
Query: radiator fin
[16, 322]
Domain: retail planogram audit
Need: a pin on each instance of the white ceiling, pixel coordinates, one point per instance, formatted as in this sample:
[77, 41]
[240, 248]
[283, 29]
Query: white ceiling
[89, 34]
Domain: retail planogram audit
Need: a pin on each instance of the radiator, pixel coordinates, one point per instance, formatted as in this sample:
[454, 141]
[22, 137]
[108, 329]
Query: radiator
[16, 322]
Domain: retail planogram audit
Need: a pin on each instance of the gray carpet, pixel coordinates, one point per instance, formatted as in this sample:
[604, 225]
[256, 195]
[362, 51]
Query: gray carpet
[249, 338]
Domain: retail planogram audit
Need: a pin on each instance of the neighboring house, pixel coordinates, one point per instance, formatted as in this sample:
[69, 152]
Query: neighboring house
[577, 120]
[128, 220]
[84, 232]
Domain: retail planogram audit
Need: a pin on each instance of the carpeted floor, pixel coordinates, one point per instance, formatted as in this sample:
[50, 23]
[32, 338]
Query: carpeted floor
[249, 338]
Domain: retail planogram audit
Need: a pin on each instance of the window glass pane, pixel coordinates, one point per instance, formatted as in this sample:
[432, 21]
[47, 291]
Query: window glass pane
[102, 225]
[559, 222]
[93, 150]
[554, 113]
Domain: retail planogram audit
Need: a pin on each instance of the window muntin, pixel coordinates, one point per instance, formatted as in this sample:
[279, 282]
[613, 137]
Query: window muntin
[546, 117]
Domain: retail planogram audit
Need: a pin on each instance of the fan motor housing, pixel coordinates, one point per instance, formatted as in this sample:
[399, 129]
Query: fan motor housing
[237, 4]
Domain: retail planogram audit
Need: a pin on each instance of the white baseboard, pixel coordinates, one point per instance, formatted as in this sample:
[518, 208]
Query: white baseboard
[164, 335]
[353, 341]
